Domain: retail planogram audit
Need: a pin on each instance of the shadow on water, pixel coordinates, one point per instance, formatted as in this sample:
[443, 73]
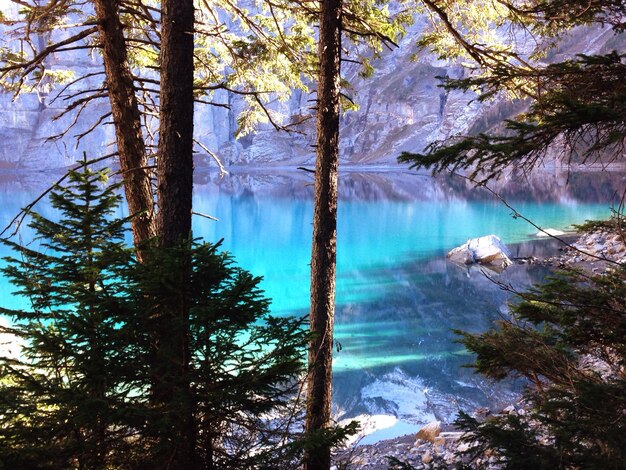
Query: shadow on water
[399, 354]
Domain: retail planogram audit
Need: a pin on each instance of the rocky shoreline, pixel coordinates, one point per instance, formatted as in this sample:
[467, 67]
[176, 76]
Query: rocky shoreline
[433, 449]
[436, 446]
[594, 251]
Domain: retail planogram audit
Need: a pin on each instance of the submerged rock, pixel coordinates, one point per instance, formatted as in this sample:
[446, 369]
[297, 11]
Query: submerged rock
[489, 250]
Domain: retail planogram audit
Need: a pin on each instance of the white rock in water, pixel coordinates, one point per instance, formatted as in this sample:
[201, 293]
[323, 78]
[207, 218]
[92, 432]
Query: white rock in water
[549, 232]
[484, 250]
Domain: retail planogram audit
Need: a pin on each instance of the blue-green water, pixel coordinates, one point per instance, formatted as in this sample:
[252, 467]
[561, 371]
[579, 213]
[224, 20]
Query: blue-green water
[397, 297]
[271, 235]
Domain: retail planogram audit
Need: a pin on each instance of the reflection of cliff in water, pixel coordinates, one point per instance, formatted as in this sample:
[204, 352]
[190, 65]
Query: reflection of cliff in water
[399, 353]
[548, 185]
[543, 186]
[377, 184]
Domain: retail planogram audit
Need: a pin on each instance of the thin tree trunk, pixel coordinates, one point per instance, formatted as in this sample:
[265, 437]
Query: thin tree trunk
[323, 259]
[175, 184]
[126, 116]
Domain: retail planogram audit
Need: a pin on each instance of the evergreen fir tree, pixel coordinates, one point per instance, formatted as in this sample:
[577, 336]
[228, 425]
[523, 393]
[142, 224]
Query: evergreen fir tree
[245, 363]
[568, 339]
[78, 395]
[65, 401]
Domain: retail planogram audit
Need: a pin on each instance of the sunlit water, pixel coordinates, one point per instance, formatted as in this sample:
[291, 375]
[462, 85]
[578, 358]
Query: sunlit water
[397, 297]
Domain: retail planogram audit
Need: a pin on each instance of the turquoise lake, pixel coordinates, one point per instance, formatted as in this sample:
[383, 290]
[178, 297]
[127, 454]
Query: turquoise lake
[397, 296]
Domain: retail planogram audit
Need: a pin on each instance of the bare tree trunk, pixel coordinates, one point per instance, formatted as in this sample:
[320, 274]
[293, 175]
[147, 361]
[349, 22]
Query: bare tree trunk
[175, 184]
[323, 259]
[175, 151]
[126, 116]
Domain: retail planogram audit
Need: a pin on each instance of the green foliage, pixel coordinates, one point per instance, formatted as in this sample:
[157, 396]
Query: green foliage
[568, 338]
[613, 224]
[73, 384]
[585, 114]
[575, 106]
[78, 394]
[245, 363]
[324, 438]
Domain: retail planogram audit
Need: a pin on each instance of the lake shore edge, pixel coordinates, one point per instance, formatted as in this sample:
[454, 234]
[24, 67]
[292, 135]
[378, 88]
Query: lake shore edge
[436, 445]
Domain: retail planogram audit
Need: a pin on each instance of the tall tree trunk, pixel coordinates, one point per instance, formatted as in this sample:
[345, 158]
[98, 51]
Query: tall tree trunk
[175, 184]
[323, 259]
[126, 116]
[175, 151]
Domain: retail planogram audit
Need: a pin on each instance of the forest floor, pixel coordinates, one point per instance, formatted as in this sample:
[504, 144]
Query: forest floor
[436, 446]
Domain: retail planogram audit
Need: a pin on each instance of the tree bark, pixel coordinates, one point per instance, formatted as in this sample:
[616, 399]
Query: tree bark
[171, 390]
[126, 116]
[175, 150]
[323, 258]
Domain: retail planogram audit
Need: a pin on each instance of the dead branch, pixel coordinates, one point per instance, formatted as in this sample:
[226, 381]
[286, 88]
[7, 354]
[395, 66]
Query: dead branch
[205, 215]
[30, 65]
[21, 215]
[91, 128]
[213, 156]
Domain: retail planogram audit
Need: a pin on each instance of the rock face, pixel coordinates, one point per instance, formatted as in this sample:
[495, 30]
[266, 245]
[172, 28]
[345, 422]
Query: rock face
[488, 250]
[402, 107]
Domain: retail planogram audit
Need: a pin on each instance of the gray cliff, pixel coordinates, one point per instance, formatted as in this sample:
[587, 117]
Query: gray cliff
[401, 108]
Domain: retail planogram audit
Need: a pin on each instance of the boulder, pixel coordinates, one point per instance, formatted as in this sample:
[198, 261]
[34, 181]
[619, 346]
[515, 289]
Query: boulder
[429, 432]
[487, 250]
[461, 255]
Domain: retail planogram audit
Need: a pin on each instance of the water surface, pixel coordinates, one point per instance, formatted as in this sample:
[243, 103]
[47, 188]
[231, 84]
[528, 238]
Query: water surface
[397, 297]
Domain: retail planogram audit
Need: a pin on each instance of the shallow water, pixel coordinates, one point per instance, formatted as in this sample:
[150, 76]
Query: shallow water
[397, 297]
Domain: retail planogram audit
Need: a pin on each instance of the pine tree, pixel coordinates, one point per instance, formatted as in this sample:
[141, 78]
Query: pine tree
[64, 398]
[324, 244]
[79, 394]
[568, 339]
[245, 364]
[574, 107]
